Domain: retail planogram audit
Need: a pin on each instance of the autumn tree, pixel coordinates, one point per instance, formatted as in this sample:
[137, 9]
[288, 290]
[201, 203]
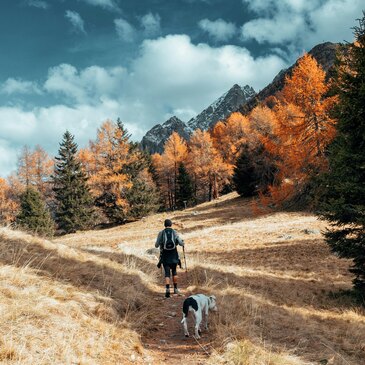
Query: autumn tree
[119, 174]
[228, 137]
[34, 215]
[303, 129]
[9, 204]
[35, 169]
[209, 170]
[74, 204]
[166, 168]
[26, 166]
[343, 198]
[109, 180]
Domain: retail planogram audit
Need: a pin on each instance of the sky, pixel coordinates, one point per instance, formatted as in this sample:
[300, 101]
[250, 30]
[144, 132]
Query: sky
[72, 64]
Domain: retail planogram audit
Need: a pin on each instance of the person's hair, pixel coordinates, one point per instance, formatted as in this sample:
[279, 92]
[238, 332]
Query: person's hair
[168, 223]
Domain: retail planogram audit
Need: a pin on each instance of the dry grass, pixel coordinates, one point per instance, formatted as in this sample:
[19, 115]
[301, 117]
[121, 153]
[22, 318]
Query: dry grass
[273, 276]
[272, 273]
[61, 306]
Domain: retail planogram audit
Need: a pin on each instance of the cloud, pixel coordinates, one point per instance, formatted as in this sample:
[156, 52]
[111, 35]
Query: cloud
[151, 24]
[45, 126]
[218, 29]
[125, 30]
[76, 21]
[14, 86]
[106, 4]
[38, 4]
[170, 75]
[300, 24]
[88, 86]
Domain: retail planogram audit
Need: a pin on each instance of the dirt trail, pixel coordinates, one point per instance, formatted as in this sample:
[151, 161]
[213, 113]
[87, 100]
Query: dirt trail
[166, 338]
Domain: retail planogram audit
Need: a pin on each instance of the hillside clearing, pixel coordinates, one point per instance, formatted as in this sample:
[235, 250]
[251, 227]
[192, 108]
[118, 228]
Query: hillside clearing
[274, 278]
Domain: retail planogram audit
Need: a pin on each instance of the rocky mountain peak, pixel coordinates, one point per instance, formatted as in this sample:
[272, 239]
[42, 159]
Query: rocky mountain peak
[156, 137]
[220, 109]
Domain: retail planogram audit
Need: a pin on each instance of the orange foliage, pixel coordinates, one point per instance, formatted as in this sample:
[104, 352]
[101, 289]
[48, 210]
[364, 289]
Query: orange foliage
[167, 165]
[35, 169]
[8, 205]
[207, 165]
[104, 162]
[302, 128]
[229, 136]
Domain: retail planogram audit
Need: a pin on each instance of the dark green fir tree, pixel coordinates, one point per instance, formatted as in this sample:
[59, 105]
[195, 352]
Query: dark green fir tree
[33, 215]
[344, 185]
[244, 177]
[185, 190]
[74, 204]
[143, 199]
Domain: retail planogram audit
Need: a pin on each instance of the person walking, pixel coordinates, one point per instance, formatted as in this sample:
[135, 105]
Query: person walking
[167, 240]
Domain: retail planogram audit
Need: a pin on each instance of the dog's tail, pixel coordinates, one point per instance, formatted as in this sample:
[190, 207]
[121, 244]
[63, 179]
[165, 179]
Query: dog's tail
[188, 302]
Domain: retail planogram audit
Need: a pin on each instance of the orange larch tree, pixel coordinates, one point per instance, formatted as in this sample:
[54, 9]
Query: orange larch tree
[175, 152]
[9, 204]
[303, 128]
[228, 137]
[35, 169]
[209, 170]
[105, 163]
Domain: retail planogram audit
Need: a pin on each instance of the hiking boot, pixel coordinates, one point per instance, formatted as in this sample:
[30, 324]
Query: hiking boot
[176, 291]
[167, 294]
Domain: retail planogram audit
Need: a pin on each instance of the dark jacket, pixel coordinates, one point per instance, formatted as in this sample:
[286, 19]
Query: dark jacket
[169, 256]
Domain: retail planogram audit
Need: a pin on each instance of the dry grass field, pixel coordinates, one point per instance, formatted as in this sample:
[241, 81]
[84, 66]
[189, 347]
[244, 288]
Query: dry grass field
[96, 297]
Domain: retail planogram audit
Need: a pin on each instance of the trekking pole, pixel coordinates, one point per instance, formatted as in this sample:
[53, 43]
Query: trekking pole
[186, 268]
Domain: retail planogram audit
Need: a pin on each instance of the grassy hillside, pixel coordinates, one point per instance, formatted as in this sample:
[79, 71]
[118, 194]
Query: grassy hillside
[96, 297]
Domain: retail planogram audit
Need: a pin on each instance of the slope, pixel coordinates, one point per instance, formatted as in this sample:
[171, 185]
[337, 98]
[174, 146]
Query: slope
[97, 297]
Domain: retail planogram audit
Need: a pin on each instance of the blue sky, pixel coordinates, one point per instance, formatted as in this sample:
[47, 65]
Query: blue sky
[72, 64]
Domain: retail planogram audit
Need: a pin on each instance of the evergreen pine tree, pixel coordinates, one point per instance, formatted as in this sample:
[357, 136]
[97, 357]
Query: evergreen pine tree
[142, 198]
[74, 209]
[244, 177]
[344, 187]
[33, 214]
[185, 190]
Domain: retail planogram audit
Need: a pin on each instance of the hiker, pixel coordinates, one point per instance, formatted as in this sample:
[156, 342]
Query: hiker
[167, 241]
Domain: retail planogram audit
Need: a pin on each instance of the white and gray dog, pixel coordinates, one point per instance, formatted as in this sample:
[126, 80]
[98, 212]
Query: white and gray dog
[199, 304]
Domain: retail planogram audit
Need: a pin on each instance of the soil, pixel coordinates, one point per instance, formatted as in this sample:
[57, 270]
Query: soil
[166, 339]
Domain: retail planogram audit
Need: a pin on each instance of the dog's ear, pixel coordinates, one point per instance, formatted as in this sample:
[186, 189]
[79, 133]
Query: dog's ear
[212, 297]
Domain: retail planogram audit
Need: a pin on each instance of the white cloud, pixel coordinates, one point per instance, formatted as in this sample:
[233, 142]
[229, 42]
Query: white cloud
[45, 126]
[274, 31]
[15, 86]
[219, 29]
[125, 30]
[106, 4]
[88, 86]
[38, 4]
[76, 21]
[300, 24]
[171, 75]
[151, 24]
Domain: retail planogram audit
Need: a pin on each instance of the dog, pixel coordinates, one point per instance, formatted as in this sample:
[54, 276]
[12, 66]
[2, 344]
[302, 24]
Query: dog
[199, 304]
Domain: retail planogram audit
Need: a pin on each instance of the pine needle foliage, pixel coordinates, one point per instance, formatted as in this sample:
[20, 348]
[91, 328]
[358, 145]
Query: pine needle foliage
[33, 215]
[74, 203]
[185, 190]
[343, 200]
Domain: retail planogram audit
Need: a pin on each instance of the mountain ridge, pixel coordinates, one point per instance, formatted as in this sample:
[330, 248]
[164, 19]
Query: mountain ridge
[237, 98]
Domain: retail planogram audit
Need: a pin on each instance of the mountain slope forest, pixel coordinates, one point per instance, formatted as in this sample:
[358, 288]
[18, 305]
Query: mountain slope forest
[270, 202]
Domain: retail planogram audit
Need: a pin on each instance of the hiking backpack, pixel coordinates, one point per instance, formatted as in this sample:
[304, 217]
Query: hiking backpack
[169, 240]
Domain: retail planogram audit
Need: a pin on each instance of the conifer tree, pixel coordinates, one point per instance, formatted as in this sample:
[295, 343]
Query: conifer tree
[33, 215]
[244, 177]
[344, 196]
[185, 190]
[74, 209]
[142, 198]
